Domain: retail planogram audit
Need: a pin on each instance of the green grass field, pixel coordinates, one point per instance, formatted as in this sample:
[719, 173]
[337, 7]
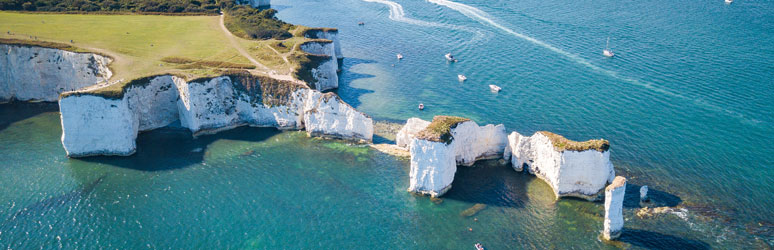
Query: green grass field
[138, 43]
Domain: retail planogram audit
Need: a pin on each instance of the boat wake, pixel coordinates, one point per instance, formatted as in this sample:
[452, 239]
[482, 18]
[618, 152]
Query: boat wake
[484, 18]
[398, 14]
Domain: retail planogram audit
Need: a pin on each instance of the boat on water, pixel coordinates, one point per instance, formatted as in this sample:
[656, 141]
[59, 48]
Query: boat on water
[607, 52]
[494, 88]
[729, 1]
[450, 58]
[421, 106]
[462, 78]
[479, 246]
[400, 56]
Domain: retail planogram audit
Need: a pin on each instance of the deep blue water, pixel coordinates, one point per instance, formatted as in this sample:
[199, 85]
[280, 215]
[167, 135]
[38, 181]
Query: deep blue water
[686, 104]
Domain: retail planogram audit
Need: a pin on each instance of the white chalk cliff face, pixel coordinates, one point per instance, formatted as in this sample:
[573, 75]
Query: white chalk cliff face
[325, 75]
[409, 131]
[40, 74]
[434, 163]
[97, 125]
[329, 34]
[255, 3]
[614, 196]
[570, 173]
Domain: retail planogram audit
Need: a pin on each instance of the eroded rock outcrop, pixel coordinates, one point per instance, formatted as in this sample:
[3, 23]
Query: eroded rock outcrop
[31, 73]
[445, 143]
[576, 169]
[95, 123]
[321, 68]
[614, 197]
[409, 131]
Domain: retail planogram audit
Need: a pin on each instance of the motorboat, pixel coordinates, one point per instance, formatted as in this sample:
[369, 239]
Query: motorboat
[494, 88]
[607, 52]
[421, 106]
[400, 56]
[479, 246]
[729, 1]
[450, 58]
[462, 78]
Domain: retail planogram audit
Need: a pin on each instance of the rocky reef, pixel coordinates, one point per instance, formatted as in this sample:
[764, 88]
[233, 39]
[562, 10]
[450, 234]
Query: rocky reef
[614, 198]
[444, 143]
[572, 169]
[94, 123]
[31, 73]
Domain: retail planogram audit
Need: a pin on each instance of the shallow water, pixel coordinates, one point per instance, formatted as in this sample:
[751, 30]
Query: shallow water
[686, 103]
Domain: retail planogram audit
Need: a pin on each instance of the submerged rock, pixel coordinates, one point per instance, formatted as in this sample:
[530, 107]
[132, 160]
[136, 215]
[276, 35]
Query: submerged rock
[445, 143]
[572, 169]
[473, 210]
[644, 193]
[614, 196]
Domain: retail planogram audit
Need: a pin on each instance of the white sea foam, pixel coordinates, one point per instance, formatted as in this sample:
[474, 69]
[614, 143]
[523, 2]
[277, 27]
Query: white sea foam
[398, 14]
[484, 18]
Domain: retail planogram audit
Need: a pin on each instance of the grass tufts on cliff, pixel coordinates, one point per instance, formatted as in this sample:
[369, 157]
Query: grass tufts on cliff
[250, 23]
[44, 44]
[439, 129]
[562, 144]
[266, 90]
[312, 32]
[305, 62]
[186, 63]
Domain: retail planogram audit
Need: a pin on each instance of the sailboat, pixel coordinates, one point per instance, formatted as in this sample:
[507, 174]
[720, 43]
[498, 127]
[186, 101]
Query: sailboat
[607, 52]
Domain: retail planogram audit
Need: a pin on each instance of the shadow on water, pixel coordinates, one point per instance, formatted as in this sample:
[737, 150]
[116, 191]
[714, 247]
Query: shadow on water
[40, 208]
[657, 197]
[18, 111]
[490, 183]
[173, 148]
[653, 240]
[350, 94]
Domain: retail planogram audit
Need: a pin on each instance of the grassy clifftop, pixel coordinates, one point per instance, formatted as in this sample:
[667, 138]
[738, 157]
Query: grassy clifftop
[562, 144]
[439, 129]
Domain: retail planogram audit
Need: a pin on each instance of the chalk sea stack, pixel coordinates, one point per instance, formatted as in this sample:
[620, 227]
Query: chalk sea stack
[614, 196]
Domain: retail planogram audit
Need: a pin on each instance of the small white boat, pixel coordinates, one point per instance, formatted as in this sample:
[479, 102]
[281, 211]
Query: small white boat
[729, 1]
[462, 78]
[494, 88]
[421, 106]
[450, 58]
[607, 52]
[400, 56]
[479, 246]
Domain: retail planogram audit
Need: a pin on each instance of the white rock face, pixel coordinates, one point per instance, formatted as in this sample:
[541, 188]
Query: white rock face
[331, 117]
[432, 167]
[95, 125]
[255, 3]
[433, 164]
[472, 143]
[332, 35]
[614, 196]
[409, 131]
[570, 173]
[325, 75]
[40, 74]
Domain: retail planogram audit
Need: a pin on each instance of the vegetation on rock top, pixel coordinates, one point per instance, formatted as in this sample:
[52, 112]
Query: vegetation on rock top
[439, 129]
[562, 144]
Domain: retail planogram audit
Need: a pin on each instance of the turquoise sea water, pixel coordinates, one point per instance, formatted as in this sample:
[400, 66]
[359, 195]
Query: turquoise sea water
[687, 104]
